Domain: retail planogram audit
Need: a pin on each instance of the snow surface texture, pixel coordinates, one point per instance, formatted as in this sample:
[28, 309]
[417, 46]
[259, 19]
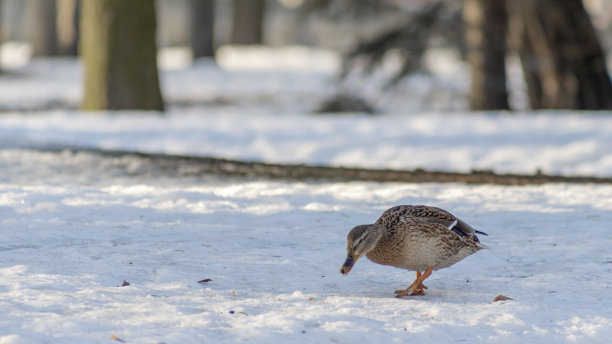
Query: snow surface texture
[555, 143]
[273, 250]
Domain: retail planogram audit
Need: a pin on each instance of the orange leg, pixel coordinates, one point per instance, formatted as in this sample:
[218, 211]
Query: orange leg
[417, 287]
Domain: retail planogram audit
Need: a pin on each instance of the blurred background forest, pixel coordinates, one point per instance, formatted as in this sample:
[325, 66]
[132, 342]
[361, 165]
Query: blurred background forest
[184, 171]
[506, 55]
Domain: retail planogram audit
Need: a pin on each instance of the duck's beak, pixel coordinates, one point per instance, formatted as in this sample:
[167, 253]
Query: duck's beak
[348, 264]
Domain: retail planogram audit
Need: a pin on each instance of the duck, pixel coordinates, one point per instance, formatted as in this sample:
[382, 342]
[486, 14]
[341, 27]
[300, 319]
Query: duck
[413, 237]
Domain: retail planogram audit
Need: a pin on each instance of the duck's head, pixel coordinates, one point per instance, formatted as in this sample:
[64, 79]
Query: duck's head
[360, 241]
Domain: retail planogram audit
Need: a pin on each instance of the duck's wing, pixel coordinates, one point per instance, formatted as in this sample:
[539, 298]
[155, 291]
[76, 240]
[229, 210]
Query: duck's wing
[399, 214]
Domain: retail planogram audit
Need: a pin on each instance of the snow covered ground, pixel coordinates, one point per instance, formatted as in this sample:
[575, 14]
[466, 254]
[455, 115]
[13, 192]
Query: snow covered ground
[287, 79]
[555, 143]
[75, 226]
[273, 249]
[261, 111]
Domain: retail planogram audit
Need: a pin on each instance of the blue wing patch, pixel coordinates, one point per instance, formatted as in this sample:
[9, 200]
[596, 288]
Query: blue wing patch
[461, 234]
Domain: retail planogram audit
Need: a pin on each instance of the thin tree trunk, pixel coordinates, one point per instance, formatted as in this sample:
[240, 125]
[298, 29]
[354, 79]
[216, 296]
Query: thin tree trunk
[485, 36]
[248, 19]
[67, 26]
[562, 58]
[1, 32]
[202, 28]
[119, 55]
[42, 32]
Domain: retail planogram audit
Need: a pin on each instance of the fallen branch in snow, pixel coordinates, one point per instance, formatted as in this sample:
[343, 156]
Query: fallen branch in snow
[138, 163]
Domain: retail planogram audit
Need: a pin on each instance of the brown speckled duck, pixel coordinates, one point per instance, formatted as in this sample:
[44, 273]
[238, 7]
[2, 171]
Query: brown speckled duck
[413, 237]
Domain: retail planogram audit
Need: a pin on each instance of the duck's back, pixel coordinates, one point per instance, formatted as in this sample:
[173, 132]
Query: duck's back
[400, 213]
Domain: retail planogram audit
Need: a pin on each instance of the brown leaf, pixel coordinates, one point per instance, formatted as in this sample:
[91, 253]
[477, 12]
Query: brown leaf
[206, 280]
[234, 292]
[502, 298]
[113, 337]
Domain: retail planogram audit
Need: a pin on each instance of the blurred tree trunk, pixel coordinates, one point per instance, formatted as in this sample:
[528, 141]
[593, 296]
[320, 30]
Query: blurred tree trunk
[67, 26]
[563, 62]
[1, 32]
[485, 36]
[248, 20]
[41, 29]
[119, 54]
[202, 28]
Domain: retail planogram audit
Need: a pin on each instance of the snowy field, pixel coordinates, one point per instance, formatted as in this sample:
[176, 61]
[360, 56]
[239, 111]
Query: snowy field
[555, 143]
[261, 112]
[272, 251]
[76, 226]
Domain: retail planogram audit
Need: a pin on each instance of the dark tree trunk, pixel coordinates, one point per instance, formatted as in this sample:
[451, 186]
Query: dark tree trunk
[563, 62]
[248, 19]
[202, 28]
[119, 55]
[42, 32]
[68, 27]
[485, 37]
